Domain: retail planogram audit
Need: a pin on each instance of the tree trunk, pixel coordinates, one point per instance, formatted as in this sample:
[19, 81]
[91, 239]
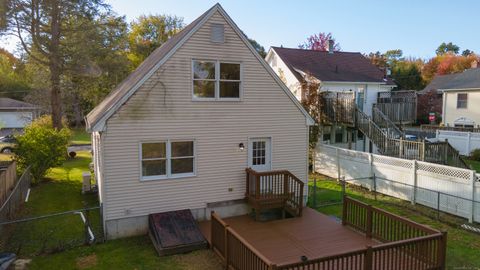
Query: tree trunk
[55, 66]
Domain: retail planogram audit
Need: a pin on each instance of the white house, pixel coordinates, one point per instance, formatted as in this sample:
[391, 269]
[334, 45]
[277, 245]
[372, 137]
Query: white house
[15, 114]
[346, 72]
[180, 131]
[461, 99]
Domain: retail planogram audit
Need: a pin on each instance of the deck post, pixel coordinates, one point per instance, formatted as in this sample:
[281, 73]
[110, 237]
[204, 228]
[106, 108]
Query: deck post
[226, 248]
[344, 210]
[247, 192]
[368, 262]
[442, 251]
[211, 229]
[369, 221]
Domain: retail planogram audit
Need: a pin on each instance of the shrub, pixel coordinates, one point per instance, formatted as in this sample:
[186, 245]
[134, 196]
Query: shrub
[42, 147]
[475, 155]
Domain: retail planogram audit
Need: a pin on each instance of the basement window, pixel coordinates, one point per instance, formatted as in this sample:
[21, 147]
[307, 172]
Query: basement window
[216, 80]
[167, 159]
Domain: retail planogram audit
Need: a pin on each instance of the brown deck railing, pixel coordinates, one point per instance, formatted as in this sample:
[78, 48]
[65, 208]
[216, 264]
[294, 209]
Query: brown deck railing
[274, 189]
[406, 245]
[234, 250]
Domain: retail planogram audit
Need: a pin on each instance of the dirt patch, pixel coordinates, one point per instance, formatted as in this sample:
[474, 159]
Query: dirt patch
[86, 261]
[199, 260]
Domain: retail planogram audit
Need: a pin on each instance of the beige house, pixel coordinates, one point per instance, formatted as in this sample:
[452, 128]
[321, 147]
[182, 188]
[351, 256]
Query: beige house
[179, 132]
[461, 99]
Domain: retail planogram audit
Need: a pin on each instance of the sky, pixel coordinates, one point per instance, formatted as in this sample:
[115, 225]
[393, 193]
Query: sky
[416, 27]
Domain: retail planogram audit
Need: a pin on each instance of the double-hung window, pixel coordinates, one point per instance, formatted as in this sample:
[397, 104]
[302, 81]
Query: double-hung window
[216, 80]
[167, 159]
[462, 100]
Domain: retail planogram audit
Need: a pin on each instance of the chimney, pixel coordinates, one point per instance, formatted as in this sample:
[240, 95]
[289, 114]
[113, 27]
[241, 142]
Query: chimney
[331, 43]
[474, 64]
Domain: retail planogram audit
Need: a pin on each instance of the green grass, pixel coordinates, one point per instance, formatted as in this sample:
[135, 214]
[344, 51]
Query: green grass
[474, 164]
[57, 242]
[80, 136]
[462, 246]
[5, 157]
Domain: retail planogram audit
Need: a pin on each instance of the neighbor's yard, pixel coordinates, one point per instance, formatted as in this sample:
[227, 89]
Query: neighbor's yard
[474, 164]
[80, 136]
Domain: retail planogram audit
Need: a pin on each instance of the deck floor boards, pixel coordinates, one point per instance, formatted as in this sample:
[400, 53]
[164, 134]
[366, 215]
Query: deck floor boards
[284, 241]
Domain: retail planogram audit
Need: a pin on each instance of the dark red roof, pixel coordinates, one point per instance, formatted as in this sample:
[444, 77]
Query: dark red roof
[325, 66]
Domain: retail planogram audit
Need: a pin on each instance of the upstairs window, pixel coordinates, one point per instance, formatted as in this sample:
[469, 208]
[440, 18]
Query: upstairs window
[462, 100]
[216, 80]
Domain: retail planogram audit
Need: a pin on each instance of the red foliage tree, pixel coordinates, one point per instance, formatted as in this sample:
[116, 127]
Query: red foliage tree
[319, 42]
[428, 102]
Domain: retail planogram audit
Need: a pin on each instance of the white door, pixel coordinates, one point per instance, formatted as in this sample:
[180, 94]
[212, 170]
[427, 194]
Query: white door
[259, 154]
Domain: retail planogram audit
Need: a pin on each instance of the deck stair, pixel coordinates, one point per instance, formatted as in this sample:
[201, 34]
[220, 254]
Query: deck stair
[274, 190]
[385, 133]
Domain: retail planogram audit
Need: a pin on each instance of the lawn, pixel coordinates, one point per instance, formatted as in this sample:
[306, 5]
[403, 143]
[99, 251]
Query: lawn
[57, 242]
[80, 136]
[462, 246]
[474, 164]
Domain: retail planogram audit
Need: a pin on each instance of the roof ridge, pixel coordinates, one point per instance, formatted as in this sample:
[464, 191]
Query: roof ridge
[309, 50]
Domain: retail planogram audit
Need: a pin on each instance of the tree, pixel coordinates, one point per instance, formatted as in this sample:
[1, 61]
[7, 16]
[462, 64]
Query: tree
[427, 103]
[41, 27]
[41, 147]
[14, 81]
[467, 52]
[319, 42]
[408, 74]
[148, 33]
[259, 48]
[447, 48]
[447, 64]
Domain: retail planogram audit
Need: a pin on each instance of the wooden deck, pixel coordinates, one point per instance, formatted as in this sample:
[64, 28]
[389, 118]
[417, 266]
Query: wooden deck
[284, 241]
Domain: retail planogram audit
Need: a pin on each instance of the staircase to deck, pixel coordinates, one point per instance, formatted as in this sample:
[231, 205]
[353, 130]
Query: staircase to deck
[385, 134]
[274, 190]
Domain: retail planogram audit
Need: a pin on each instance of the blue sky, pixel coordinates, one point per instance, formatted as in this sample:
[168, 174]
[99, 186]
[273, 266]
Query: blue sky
[416, 27]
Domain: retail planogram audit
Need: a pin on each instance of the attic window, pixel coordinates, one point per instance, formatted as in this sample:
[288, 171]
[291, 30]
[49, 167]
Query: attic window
[217, 33]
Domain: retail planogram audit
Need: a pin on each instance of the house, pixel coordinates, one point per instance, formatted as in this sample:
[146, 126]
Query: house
[15, 114]
[430, 98]
[179, 132]
[461, 96]
[349, 74]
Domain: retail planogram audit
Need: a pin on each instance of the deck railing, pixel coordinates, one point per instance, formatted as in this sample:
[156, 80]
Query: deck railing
[434, 128]
[234, 250]
[338, 107]
[274, 189]
[405, 245]
[386, 124]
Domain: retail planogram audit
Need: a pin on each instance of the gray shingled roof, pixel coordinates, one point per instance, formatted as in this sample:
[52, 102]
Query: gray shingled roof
[438, 82]
[325, 66]
[8, 103]
[136, 76]
[468, 79]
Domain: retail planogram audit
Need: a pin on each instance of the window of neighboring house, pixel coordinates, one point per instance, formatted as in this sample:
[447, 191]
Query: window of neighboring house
[462, 100]
[215, 80]
[168, 159]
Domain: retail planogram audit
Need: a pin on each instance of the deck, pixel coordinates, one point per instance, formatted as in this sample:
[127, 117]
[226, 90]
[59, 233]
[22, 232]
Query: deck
[284, 241]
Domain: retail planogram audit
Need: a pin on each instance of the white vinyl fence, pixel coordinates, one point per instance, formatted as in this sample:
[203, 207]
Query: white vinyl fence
[451, 189]
[464, 142]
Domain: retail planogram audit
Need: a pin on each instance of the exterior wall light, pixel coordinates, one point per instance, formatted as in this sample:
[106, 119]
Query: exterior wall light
[241, 146]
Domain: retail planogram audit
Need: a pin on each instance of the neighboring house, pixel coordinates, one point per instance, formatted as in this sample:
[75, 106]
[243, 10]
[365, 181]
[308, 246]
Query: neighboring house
[345, 72]
[15, 114]
[179, 132]
[461, 99]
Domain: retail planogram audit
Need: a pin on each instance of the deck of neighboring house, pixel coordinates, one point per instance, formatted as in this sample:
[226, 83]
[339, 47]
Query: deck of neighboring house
[285, 241]
[367, 238]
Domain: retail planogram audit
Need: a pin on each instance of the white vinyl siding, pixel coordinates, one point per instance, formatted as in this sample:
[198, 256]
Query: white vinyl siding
[163, 108]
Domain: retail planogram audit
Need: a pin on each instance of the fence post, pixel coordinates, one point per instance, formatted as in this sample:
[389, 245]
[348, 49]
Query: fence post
[375, 186]
[315, 192]
[368, 262]
[338, 164]
[400, 150]
[472, 182]
[370, 160]
[87, 225]
[343, 183]
[422, 157]
[469, 137]
[414, 184]
[438, 205]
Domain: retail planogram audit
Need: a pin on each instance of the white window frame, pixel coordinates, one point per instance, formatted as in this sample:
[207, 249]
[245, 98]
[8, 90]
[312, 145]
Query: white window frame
[217, 81]
[168, 148]
[466, 101]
